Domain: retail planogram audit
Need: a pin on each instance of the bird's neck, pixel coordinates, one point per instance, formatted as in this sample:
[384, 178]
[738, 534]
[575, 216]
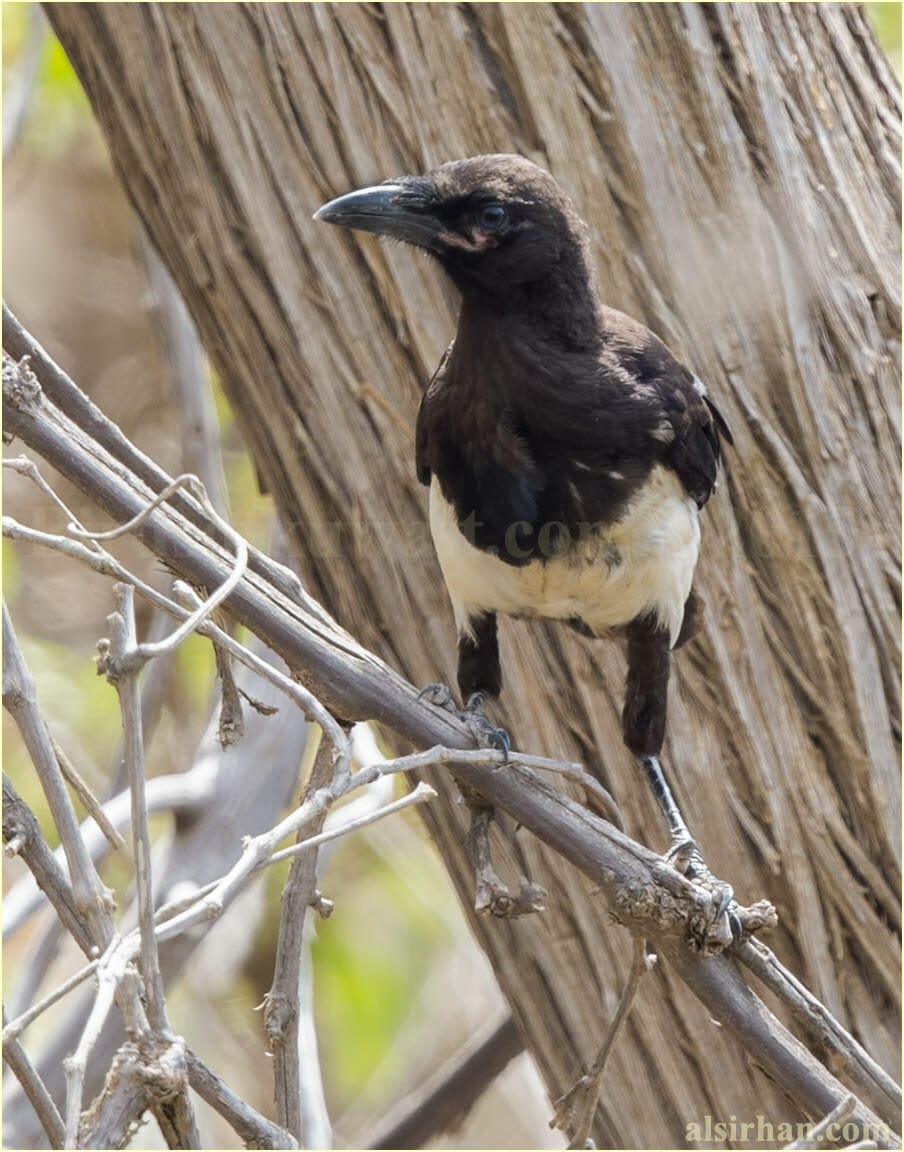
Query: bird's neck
[560, 311]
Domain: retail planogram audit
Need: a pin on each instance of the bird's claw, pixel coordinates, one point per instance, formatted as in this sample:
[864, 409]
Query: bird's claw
[484, 732]
[439, 695]
[487, 734]
[723, 923]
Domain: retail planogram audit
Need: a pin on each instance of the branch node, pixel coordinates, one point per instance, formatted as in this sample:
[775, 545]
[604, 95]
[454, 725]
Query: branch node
[321, 905]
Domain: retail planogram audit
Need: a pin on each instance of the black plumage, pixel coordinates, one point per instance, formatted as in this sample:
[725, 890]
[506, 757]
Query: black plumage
[567, 450]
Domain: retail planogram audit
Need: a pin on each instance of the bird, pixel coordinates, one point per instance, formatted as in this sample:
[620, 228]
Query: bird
[567, 452]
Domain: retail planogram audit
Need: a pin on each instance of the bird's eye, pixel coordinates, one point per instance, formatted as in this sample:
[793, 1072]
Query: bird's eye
[491, 217]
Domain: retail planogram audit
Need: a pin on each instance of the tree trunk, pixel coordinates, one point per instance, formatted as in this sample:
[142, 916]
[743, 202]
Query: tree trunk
[739, 168]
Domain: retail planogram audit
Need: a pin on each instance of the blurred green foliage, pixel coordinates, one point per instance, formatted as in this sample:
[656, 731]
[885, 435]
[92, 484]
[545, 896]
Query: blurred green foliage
[886, 18]
[60, 107]
[368, 981]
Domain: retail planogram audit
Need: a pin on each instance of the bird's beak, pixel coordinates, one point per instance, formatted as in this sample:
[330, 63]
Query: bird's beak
[396, 210]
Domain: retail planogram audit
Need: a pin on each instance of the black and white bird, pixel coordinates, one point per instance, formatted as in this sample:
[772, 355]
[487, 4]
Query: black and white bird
[567, 452]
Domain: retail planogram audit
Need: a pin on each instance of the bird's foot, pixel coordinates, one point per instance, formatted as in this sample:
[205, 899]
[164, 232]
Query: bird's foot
[492, 896]
[487, 734]
[725, 921]
[721, 924]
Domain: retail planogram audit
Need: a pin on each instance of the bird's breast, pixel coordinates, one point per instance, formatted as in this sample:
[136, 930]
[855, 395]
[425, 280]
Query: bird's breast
[604, 575]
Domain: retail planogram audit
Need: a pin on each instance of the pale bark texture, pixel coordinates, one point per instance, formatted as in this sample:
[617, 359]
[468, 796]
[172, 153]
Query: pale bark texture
[739, 168]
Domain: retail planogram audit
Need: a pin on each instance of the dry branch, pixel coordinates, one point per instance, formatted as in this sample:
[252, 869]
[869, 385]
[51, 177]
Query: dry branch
[34, 1088]
[300, 1103]
[256, 1130]
[21, 829]
[641, 891]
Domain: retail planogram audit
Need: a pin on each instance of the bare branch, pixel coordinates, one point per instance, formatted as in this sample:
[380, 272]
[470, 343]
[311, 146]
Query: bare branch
[575, 1110]
[144, 652]
[73, 402]
[843, 1111]
[16, 1027]
[878, 1088]
[21, 828]
[299, 1091]
[183, 793]
[33, 1086]
[342, 827]
[87, 797]
[110, 972]
[256, 1130]
[122, 671]
[19, 698]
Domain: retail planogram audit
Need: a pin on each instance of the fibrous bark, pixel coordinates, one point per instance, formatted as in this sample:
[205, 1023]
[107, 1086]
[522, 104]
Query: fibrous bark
[739, 167]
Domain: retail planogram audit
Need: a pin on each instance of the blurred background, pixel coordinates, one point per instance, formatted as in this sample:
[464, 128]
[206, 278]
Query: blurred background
[399, 984]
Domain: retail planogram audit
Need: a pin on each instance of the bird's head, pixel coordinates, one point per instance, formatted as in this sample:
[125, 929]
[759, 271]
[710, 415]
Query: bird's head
[493, 222]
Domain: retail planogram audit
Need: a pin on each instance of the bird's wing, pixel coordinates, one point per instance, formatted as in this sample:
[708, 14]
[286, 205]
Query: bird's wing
[670, 405]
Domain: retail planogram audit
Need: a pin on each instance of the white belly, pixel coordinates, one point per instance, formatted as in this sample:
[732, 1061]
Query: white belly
[612, 574]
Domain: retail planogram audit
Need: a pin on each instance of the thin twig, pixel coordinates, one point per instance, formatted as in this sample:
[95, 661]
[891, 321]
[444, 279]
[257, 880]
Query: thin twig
[843, 1111]
[306, 701]
[19, 698]
[144, 652]
[576, 1109]
[109, 973]
[256, 1130]
[48, 936]
[300, 1103]
[36, 1091]
[183, 793]
[419, 795]
[122, 672]
[107, 565]
[16, 1027]
[491, 894]
[87, 797]
[21, 826]
[27, 468]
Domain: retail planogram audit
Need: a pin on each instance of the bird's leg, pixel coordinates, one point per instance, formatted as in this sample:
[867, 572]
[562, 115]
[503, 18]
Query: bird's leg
[643, 720]
[479, 678]
[682, 845]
